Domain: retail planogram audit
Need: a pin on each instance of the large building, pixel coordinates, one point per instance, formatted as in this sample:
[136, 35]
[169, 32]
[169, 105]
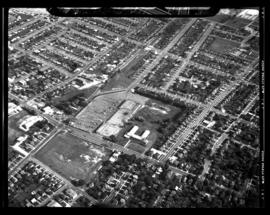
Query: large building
[249, 14]
[29, 122]
[114, 125]
[13, 109]
[142, 137]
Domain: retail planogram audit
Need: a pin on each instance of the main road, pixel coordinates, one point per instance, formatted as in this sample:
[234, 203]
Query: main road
[190, 54]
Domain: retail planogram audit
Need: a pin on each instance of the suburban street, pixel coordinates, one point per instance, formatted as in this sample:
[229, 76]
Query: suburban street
[95, 107]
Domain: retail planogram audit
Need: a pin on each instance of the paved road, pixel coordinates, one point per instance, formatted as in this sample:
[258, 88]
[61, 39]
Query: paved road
[24, 104]
[38, 31]
[196, 122]
[37, 147]
[88, 36]
[224, 135]
[25, 24]
[51, 119]
[189, 56]
[208, 108]
[74, 76]
[47, 200]
[173, 96]
[113, 23]
[205, 67]
[160, 55]
[119, 185]
[76, 43]
[67, 182]
[96, 139]
[179, 171]
[68, 54]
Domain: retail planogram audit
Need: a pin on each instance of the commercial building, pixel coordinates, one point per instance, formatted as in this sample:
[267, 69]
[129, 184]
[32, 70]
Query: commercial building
[249, 14]
[48, 110]
[29, 122]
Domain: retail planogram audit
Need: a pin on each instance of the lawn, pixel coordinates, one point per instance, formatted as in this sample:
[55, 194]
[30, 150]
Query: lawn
[234, 22]
[72, 157]
[155, 111]
[221, 18]
[136, 147]
[222, 45]
[119, 80]
[125, 77]
[237, 22]
[154, 116]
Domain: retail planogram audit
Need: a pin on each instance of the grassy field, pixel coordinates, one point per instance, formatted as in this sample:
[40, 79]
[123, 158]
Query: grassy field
[72, 157]
[222, 46]
[125, 77]
[136, 147]
[152, 115]
[120, 80]
[155, 111]
[235, 22]
[221, 18]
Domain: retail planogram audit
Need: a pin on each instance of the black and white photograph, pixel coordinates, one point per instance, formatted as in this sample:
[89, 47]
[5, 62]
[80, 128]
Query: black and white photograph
[135, 107]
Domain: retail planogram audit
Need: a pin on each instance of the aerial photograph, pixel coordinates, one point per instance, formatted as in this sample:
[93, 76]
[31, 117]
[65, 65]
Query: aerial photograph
[134, 112]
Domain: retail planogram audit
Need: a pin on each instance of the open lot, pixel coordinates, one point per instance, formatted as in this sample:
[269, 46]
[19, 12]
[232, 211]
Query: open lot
[222, 46]
[237, 22]
[125, 77]
[136, 147]
[222, 18]
[71, 157]
[154, 111]
[159, 118]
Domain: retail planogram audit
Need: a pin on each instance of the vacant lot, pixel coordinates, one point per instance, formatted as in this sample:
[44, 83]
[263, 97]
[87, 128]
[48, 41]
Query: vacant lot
[222, 46]
[219, 18]
[136, 147]
[71, 157]
[237, 22]
[126, 76]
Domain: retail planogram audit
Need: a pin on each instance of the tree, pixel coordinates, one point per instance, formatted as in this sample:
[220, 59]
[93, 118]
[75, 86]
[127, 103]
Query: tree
[67, 121]
[113, 138]
[30, 111]
[78, 183]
